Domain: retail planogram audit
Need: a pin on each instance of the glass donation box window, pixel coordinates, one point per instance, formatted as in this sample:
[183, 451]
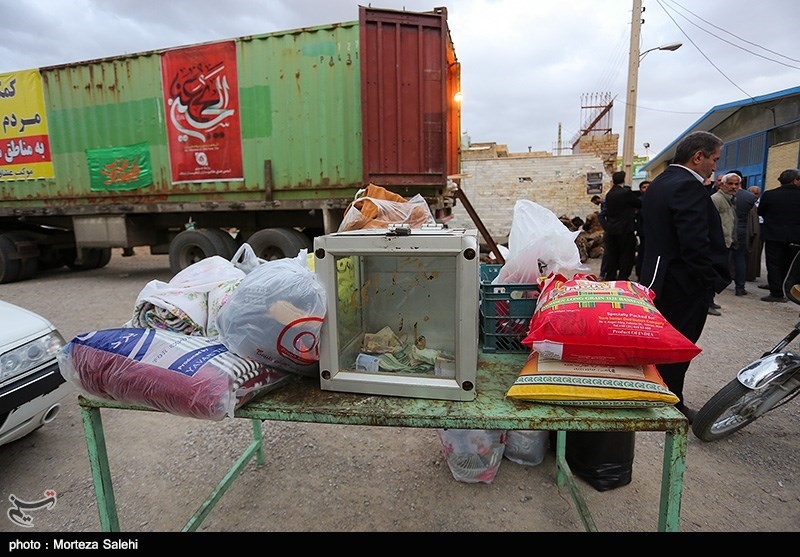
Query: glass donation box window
[402, 312]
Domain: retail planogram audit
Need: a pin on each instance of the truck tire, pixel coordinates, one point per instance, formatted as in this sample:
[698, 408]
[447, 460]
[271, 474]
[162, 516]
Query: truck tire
[191, 246]
[10, 264]
[277, 243]
[227, 239]
[308, 243]
[104, 259]
[28, 253]
[95, 258]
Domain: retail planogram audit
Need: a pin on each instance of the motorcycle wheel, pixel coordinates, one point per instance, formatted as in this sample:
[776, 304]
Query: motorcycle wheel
[733, 407]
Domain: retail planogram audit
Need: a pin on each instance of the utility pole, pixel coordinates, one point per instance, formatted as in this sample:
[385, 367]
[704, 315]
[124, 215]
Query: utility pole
[630, 103]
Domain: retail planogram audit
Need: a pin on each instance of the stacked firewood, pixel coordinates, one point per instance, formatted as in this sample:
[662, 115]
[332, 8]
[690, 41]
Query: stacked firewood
[590, 238]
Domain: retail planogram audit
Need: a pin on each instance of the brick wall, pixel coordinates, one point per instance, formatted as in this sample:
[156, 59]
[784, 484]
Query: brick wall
[497, 179]
[779, 158]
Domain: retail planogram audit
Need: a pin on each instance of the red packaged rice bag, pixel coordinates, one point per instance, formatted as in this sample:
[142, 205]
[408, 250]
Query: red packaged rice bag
[611, 323]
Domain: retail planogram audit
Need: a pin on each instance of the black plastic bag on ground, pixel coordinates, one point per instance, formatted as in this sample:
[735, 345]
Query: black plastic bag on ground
[604, 459]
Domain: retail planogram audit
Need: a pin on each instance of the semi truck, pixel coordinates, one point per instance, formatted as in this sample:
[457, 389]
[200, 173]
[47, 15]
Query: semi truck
[190, 151]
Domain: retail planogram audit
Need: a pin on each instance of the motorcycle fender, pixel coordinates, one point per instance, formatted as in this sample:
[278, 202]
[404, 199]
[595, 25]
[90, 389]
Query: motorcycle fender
[764, 371]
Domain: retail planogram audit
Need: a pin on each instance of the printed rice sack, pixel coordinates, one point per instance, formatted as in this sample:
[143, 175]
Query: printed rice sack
[609, 323]
[557, 382]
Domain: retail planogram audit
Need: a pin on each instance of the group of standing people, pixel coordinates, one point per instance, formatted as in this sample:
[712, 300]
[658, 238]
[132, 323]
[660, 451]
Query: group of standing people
[743, 217]
[619, 229]
[623, 235]
[692, 245]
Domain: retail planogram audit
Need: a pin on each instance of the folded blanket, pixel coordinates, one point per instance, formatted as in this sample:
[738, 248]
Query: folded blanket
[184, 375]
[190, 301]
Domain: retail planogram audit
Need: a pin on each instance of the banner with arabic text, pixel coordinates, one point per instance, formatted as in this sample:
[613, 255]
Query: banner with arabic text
[24, 140]
[201, 97]
[120, 168]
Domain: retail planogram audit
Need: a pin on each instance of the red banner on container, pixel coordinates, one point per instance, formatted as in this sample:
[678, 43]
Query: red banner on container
[201, 98]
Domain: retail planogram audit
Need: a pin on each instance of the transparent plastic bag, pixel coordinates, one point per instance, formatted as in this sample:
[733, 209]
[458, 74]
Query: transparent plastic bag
[473, 455]
[246, 259]
[275, 316]
[190, 302]
[190, 376]
[527, 447]
[379, 208]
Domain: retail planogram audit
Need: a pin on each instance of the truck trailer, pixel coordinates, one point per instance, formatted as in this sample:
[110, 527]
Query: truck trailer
[190, 151]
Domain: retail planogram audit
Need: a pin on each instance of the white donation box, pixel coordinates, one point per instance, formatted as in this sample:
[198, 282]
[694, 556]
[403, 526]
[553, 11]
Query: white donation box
[402, 312]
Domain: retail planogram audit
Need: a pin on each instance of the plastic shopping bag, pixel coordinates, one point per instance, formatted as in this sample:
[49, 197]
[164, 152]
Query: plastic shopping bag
[275, 316]
[538, 244]
[379, 207]
[190, 301]
[473, 455]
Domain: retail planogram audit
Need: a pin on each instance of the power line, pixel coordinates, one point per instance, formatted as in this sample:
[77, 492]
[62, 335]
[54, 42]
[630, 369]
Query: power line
[732, 82]
[701, 51]
[740, 39]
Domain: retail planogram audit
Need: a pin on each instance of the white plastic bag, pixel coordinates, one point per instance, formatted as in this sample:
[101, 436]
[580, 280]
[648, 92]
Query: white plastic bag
[275, 316]
[528, 447]
[190, 301]
[537, 236]
[246, 259]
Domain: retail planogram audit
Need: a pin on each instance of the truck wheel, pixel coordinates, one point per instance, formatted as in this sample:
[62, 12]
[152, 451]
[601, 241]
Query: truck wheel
[95, 258]
[277, 243]
[10, 264]
[226, 238]
[308, 243]
[28, 252]
[105, 257]
[191, 246]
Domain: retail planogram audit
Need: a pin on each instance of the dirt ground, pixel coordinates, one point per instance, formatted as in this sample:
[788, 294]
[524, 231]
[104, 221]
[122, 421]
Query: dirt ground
[324, 478]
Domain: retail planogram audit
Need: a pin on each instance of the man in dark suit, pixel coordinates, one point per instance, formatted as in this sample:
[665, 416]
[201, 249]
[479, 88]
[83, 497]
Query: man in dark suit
[780, 209]
[643, 185]
[619, 237]
[685, 259]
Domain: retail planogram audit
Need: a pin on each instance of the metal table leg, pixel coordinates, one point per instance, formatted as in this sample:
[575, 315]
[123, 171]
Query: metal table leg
[564, 476]
[672, 480]
[101, 475]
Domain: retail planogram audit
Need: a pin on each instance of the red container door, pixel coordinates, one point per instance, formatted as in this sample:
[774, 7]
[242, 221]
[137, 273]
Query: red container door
[410, 118]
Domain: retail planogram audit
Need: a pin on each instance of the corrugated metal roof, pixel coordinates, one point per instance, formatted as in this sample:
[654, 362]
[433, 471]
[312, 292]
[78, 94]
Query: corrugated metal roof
[714, 118]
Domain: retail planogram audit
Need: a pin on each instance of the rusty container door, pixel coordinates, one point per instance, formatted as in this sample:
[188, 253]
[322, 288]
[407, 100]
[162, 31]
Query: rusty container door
[410, 117]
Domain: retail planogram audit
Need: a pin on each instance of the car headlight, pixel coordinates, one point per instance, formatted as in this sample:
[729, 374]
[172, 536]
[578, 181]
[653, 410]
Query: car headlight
[30, 356]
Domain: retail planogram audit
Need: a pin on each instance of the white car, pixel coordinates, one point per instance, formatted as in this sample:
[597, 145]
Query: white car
[31, 385]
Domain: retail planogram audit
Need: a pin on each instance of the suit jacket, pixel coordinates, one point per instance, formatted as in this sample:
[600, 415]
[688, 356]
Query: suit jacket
[780, 208]
[621, 205]
[685, 243]
[744, 202]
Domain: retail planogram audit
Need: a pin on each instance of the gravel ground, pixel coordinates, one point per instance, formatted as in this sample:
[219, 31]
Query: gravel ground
[347, 478]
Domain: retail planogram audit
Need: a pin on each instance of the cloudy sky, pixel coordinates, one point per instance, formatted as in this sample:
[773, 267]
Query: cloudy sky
[527, 66]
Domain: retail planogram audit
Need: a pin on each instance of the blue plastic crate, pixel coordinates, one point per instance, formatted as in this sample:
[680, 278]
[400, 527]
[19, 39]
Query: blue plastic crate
[505, 312]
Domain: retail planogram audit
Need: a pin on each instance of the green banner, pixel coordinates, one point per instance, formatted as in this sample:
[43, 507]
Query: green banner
[120, 168]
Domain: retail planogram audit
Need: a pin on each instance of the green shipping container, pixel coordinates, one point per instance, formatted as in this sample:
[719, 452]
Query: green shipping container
[274, 131]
